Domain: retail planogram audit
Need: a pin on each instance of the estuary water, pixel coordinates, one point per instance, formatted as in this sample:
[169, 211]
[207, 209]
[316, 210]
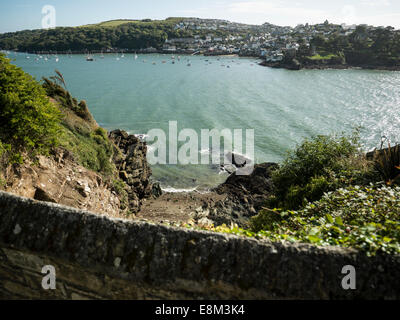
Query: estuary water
[283, 107]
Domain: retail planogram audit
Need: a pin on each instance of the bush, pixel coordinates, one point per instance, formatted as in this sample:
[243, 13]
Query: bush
[366, 218]
[318, 165]
[387, 163]
[80, 133]
[28, 121]
[92, 149]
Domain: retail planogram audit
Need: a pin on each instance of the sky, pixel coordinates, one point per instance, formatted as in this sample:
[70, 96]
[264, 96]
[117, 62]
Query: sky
[27, 14]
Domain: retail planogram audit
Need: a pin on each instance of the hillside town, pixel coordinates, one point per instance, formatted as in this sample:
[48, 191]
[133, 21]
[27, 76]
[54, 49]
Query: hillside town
[271, 42]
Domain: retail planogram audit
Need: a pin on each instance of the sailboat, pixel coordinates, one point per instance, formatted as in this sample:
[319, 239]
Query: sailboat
[136, 56]
[89, 57]
[102, 55]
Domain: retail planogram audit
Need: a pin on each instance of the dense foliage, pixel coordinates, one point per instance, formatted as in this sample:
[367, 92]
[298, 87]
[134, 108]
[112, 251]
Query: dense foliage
[130, 35]
[29, 123]
[366, 218]
[319, 165]
[378, 47]
[320, 179]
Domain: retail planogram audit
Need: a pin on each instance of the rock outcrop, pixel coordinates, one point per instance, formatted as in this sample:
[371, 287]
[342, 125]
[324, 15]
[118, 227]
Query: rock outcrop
[134, 169]
[60, 179]
[245, 195]
[235, 201]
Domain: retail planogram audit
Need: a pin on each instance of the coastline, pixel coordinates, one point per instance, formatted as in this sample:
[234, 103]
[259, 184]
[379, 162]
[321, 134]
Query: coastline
[180, 53]
[277, 65]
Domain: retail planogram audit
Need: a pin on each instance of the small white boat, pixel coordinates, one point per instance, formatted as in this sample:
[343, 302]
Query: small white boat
[136, 56]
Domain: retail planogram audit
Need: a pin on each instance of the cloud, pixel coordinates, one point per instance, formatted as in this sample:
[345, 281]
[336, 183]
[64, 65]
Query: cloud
[285, 12]
[376, 3]
[348, 14]
[263, 11]
[252, 6]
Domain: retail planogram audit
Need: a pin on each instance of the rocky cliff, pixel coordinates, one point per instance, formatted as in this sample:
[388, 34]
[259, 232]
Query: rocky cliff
[134, 170]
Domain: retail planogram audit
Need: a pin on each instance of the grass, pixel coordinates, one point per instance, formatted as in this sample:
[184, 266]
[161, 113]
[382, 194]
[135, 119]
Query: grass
[117, 23]
[80, 133]
[91, 148]
[112, 23]
[326, 57]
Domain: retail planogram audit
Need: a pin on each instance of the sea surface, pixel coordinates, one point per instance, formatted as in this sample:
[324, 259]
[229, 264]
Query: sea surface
[283, 107]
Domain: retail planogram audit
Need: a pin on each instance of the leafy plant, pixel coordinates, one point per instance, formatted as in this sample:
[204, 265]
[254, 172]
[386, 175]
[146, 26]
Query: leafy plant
[29, 123]
[366, 218]
[319, 165]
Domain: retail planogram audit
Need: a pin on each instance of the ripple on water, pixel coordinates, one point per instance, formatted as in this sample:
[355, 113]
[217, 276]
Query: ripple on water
[283, 107]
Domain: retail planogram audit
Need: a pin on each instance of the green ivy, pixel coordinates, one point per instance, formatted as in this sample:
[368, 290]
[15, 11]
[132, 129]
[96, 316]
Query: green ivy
[366, 218]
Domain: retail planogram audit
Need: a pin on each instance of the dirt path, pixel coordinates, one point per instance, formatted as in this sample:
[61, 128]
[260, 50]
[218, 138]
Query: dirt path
[177, 207]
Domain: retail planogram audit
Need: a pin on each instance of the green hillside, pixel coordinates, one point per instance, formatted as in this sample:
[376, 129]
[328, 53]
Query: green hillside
[125, 34]
[119, 22]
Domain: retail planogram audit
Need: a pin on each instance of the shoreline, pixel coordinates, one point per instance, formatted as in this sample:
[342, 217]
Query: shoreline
[180, 53]
[277, 65]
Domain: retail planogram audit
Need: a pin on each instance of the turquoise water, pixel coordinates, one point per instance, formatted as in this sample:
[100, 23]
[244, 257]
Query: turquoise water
[283, 107]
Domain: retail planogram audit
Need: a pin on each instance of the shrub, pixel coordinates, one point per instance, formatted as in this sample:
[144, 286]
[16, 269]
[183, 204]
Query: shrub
[56, 88]
[80, 133]
[387, 163]
[28, 121]
[318, 165]
[366, 218]
[92, 148]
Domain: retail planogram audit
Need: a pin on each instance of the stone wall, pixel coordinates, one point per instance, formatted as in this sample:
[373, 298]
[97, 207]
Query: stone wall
[100, 258]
